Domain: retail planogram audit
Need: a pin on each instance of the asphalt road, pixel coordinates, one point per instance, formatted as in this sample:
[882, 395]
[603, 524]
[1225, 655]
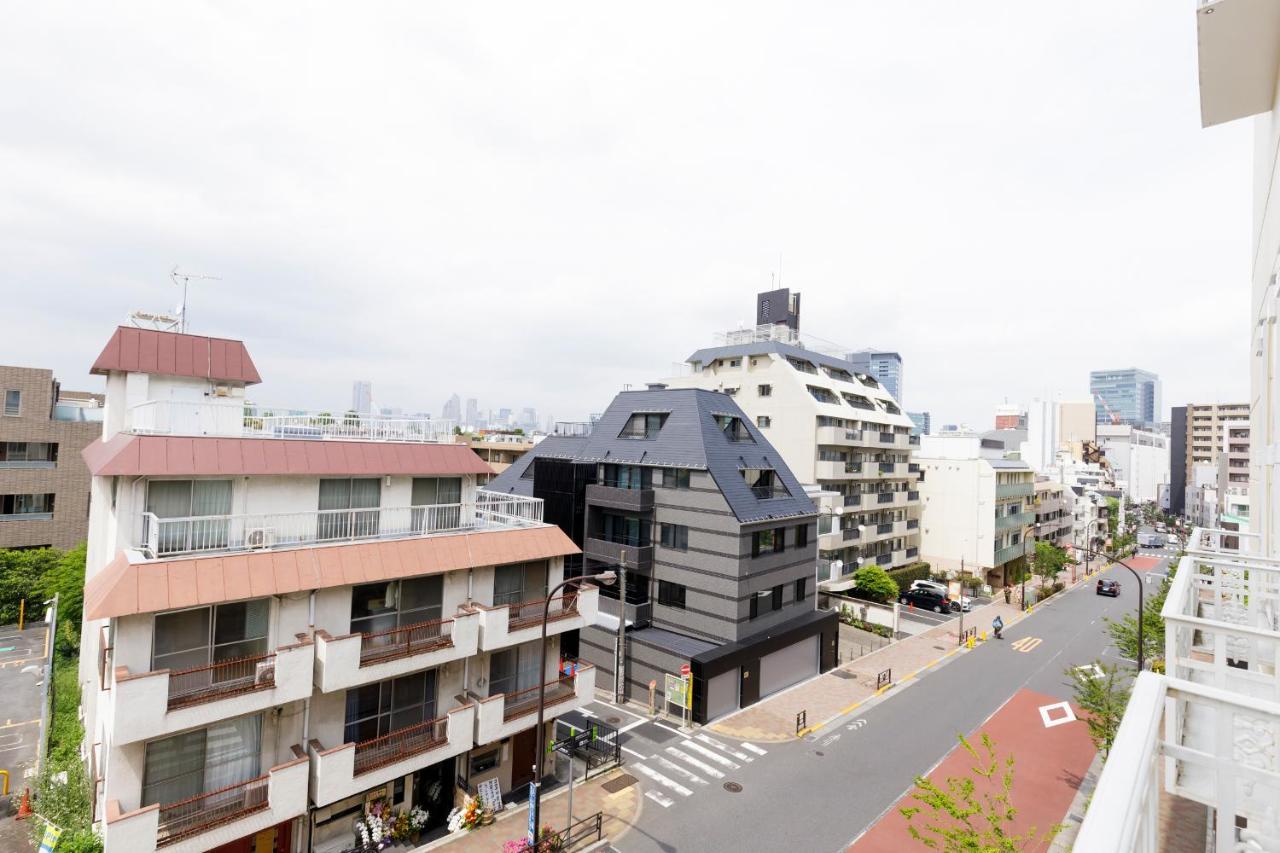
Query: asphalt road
[820, 793]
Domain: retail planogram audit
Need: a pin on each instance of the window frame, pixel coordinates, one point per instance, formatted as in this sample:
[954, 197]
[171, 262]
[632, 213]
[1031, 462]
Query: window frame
[16, 410]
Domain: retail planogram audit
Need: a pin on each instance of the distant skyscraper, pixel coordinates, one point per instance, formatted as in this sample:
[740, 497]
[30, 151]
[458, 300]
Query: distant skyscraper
[504, 417]
[884, 367]
[473, 412]
[923, 422]
[529, 418]
[362, 396]
[452, 410]
[1129, 396]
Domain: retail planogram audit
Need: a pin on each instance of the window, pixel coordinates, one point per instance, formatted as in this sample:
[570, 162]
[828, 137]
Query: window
[764, 421]
[675, 536]
[802, 536]
[839, 373]
[802, 365]
[643, 425]
[675, 478]
[779, 540]
[733, 428]
[190, 639]
[763, 541]
[12, 403]
[378, 709]
[671, 594]
[858, 401]
[764, 390]
[735, 362]
[513, 670]
[27, 505]
[180, 767]
[191, 514]
[624, 530]
[625, 476]
[764, 483]
[28, 454]
[765, 601]
[339, 499]
[377, 607]
[801, 583]
[776, 597]
[436, 502]
[822, 395]
[519, 582]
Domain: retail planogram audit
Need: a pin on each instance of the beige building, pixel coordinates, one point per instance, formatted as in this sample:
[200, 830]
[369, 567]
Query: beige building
[499, 450]
[44, 484]
[1077, 423]
[1207, 434]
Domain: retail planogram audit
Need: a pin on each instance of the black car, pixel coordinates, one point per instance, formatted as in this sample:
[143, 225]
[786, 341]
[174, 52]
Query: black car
[927, 599]
[1111, 588]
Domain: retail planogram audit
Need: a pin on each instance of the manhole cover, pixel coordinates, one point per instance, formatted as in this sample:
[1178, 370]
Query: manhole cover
[733, 787]
[613, 721]
[819, 753]
[613, 786]
[841, 673]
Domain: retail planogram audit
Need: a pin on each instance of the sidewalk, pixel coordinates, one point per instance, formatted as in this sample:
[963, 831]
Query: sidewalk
[621, 811]
[843, 689]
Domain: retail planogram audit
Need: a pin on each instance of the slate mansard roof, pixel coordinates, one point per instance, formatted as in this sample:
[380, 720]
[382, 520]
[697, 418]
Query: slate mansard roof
[690, 438]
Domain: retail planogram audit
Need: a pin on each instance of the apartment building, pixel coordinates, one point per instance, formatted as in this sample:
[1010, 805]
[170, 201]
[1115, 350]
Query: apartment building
[717, 537]
[1196, 756]
[1054, 513]
[1139, 460]
[922, 422]
[1010, 416]
[288, 616]
[978, 506]
[44, 485]
[499, 449]
[1199, 437]
[1130, 396]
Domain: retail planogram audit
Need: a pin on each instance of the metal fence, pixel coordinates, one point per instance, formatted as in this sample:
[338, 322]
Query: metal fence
[225, 678]
[405, 641]
[390, 748]
[203, 811]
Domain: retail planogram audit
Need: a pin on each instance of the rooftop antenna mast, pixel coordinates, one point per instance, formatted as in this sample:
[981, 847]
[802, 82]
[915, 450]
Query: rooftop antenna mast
[185, 279]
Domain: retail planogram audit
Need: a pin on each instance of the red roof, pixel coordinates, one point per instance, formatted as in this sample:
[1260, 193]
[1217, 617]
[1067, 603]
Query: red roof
[172, 354]
[123, 588]
[161, 455]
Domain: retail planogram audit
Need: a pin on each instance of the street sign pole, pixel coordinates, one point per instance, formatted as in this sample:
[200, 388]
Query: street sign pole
[533, 808]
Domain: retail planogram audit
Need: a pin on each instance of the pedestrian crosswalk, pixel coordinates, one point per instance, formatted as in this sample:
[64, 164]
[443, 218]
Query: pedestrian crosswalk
[692, 765]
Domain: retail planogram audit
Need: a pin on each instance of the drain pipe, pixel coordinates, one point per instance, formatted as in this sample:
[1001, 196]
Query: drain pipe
[306, 717]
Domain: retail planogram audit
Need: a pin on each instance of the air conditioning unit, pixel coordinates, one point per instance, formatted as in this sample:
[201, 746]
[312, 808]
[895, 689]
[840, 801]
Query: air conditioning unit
[222, 390]
[261, 537]
[265, 673]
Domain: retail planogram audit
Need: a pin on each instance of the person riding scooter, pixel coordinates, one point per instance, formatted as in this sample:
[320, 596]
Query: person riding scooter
[997, 625]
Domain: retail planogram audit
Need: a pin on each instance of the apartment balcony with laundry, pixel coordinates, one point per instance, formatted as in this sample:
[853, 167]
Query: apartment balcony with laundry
[504, 714]
[231, 417]
[347, 770]
[366, 657]
[1206, 730]
[209, 820]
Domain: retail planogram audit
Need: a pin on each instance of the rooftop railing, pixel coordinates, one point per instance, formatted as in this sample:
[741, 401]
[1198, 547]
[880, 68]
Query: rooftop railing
[168, 537]
[228, 418]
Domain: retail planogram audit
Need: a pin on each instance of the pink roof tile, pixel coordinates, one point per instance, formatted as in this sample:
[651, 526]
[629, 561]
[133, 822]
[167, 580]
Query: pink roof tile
[163, 455]
[123, 588]
[172, 354]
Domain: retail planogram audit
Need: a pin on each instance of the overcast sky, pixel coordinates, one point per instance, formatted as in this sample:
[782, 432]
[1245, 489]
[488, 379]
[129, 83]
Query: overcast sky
[537, 203]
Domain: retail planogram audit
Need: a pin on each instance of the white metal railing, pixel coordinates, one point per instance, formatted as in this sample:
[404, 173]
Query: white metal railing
[165, 537]
[229, 417]
[1225, 543]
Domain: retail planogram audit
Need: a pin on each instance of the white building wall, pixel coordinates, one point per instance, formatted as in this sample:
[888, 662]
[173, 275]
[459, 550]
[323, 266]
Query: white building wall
[957, 519]
[1043, 437]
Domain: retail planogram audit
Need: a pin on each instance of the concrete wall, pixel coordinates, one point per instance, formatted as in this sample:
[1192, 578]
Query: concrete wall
[959, 498]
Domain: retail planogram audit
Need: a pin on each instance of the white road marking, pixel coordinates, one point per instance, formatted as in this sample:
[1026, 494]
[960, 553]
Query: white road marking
[757, 750]
[714, 756]
[633, 752]
[680, 771]
[690, 760]
[1047, 714]
[830, 739]
[669, 784]
[629, 726]
[668, 728]
[586, 713]
[741, 756]
[665, 802]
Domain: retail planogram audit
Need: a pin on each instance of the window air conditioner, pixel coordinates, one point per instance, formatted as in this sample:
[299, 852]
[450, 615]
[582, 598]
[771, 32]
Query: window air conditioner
[265, 672]
[261, 537]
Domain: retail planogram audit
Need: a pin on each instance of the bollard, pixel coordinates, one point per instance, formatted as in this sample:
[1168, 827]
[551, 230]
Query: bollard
[984, 636]
[970, 643]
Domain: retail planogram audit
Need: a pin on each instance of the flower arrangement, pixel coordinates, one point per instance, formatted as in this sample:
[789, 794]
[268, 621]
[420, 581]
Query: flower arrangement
[548, 842]
[467, 816]
[381, 825]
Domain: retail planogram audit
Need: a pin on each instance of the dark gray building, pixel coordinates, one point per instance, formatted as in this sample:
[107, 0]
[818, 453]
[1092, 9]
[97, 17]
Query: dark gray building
[717, 537]
[1178, 461]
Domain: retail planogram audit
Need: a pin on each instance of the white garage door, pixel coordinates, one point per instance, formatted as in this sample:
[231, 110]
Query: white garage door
[722, 694]
[787, 666]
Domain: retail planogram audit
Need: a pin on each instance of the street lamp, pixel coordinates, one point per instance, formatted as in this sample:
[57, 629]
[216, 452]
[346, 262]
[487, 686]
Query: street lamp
[1026, 561]
[605, 578]
[1087, 540]
[1137, 578]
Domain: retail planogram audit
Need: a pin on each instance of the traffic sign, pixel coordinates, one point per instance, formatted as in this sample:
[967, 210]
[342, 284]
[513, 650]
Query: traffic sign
[685, 669]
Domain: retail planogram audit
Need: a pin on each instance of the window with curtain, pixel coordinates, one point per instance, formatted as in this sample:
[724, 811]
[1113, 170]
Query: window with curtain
[393, 604]
[437, 503]
[199, 509]
[348, 507]
[198, 762]
[188, 639]
[378, 709]
[518, 582]
[512, 670]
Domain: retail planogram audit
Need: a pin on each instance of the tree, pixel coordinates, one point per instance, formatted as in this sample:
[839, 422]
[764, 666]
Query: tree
[973, 812]
[1102, 692]
[1113, 515]
[1124, 631]
[1048, 561]
[874, 583]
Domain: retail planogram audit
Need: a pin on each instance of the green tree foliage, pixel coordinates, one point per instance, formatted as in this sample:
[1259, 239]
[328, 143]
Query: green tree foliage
[874, 583]
[974, 812]
[67, 805]
[1048, 561]
[1113, 515]
[1124, 631]
[1102, 692]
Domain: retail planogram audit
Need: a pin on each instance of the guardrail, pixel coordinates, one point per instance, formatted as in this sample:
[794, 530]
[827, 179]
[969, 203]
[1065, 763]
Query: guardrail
[405, 641]
[398, 745]
[884, 678]
[205, 811]
[222, 679]
[526, 613]
[232, 418]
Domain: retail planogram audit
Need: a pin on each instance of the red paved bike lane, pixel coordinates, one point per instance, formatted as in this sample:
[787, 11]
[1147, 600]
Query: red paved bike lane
[1050, 763]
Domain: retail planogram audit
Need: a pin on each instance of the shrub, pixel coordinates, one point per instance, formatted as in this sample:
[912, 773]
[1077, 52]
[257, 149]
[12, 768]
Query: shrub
[874, 583]
[905, 575]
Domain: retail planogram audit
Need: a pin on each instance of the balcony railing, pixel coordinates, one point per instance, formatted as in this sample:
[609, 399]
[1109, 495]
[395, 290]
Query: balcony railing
[204, 811]
[886, 438]
[405, 641]
[852, 500]
[225, 418]
[886, 467]
[851, 533]
[884, 498]
[164, 537]
[523, 702]
[222, 679]
[401, 744]
[526, 613]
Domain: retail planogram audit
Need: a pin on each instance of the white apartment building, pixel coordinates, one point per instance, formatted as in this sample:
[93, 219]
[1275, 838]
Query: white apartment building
[836, 429]
[978, 508]
[1138, 458]
[1198, 745]
[289, 616]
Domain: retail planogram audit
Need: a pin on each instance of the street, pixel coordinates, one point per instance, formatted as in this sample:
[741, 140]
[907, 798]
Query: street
[824, 791]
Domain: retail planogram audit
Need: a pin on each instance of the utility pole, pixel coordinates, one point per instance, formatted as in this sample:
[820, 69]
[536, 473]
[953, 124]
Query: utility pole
[620, 663]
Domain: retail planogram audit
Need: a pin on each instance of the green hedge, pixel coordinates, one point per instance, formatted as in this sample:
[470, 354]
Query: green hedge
[905, 575]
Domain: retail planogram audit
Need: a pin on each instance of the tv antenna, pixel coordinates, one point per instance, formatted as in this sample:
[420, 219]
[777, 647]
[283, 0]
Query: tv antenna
[185, 279]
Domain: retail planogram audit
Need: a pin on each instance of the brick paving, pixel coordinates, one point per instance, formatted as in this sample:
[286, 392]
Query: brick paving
[621, 811]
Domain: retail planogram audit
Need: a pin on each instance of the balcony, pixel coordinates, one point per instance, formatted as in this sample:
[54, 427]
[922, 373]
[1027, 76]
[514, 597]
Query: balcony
[511, 624]
[832, 541]
[352, 768]
[153, 704]
[230, 418]
[356, 659]
[884, 497]
[620, 497]
[506, 714]
[913, 524]
[852, 500]
[887, 438]
[886, 467]
[211, 820]
[1001, 556]
[1016, 521]
[171, 537]
[838, 436]
[1212, 720]
[828, 469]
[913, 441]
[1014, 490]
[638, 552]
[913, 553]
[913, 496]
